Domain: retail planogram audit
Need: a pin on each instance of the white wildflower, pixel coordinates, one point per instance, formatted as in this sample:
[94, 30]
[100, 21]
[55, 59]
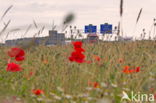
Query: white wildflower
[57, 97]
[60, 89]
[114, 85]
[68, 96]
[104, 85]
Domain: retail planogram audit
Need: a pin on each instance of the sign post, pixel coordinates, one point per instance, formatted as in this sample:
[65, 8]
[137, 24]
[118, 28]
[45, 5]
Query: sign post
[91, 30]
[106, 28]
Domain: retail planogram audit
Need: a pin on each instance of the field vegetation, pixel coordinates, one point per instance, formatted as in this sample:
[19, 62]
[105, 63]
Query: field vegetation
[59, 80]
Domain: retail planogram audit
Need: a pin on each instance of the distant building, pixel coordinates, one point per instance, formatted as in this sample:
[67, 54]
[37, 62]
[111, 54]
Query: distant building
[54, 38]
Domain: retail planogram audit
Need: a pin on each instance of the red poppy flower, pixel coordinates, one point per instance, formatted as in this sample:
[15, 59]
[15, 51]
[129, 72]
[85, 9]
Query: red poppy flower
[12, 67]
[31, 73]
[96, 85]
[77, 57]
[79, 49]
[152, 89]
[137, 69]
[127, 70]
[77, 44]
[121, 60]
[132, 71]
[18, 53]
[38, 92]
[97, 58]
[88, 62]
[93, 84]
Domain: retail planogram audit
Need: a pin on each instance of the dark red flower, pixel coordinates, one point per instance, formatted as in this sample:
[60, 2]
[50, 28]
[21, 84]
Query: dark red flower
[77, 57]
[12, 67]
[38, 92]
[137, 69]
[121, 60]
[18, 53]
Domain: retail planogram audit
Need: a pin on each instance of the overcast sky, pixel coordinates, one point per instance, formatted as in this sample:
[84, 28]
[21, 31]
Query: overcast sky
[86, 12]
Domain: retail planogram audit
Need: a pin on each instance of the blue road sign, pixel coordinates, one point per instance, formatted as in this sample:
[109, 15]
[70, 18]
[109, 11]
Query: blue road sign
[90, 29]
[106, 28]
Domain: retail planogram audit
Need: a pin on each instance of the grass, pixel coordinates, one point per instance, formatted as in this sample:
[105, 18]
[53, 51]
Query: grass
[65, 82]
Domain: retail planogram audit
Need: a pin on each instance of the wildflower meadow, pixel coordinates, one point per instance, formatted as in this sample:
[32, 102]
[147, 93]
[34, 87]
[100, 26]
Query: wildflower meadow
[78, 72]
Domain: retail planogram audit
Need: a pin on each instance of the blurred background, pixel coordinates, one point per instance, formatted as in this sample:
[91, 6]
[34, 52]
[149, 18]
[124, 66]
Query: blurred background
[49, 12]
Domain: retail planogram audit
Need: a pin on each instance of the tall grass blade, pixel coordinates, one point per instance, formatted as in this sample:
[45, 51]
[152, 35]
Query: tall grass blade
[35, 24]
[6, 12]
[118, 30]
[121, 8]
[5, 27]
[7, 36]
[139, 15]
